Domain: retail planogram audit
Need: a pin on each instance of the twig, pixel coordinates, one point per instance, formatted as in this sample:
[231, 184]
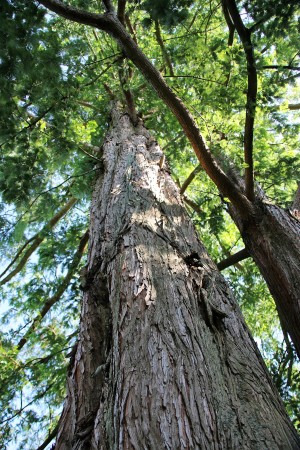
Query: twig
[196, 77]
[89, 155]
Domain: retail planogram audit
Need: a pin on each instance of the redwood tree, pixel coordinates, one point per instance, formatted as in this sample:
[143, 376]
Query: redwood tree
[162, 345]
[164, 358]
[250, 210]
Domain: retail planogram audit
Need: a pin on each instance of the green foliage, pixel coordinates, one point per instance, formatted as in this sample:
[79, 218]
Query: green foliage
[54, 113]
[168, 12]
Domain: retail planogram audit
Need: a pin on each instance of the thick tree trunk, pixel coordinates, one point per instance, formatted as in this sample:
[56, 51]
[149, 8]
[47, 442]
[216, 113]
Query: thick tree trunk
[164, 359]
[272, 238]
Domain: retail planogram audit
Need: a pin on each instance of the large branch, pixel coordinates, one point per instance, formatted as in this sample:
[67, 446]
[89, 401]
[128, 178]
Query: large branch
[61, 289]
[245, 36]
[110, 24]
[37, 240]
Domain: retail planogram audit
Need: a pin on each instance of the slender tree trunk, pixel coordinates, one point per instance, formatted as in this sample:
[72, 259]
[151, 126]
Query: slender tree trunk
[164, 359]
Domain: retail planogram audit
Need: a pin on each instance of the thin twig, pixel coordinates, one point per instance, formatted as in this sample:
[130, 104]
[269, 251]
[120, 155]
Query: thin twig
[196, 77]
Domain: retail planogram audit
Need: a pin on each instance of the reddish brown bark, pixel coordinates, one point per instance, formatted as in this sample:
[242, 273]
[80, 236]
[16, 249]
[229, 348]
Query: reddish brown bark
[272, 238]
[164, 358]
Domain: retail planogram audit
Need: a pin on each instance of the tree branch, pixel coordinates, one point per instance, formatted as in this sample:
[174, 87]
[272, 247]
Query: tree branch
[121, 11]
[19, 411]
[61, 289]
[37, 240]
[233, 259]
[276, 67]
[111, 24]
[50, 438]
[230, 25]
[108, 5]
[196, 77]
[294, 106]
[76, 15]
[193, 205]
[245, 36]
[189, 179]
[17, 255]
[163, 48]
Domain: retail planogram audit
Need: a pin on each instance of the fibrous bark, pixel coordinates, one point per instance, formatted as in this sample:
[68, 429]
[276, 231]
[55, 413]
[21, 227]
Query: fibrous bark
[272, 238]
[164, 359]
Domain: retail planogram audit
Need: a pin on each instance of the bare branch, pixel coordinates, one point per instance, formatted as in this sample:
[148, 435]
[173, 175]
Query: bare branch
[17, 255]
[61, 289]
[75, 14]
[125, 74]
[130, 27]
[89, 155]
[233, 259]
[37, 397]
[38, 239]
[196, 77]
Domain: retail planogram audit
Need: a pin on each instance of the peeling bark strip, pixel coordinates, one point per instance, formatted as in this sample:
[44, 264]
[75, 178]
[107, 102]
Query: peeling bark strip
[164, 359]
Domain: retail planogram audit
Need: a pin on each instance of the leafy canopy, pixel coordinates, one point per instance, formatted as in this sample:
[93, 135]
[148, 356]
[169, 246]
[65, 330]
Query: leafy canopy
[57, 81]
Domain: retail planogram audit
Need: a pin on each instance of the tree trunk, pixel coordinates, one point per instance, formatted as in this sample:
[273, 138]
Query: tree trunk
[272, 238]
[164, 359]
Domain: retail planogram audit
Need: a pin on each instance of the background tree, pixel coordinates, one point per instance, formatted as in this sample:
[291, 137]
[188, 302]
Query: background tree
[58, 78]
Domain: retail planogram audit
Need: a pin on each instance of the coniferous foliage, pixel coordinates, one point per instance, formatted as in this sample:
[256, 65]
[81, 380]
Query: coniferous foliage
[57, 80]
